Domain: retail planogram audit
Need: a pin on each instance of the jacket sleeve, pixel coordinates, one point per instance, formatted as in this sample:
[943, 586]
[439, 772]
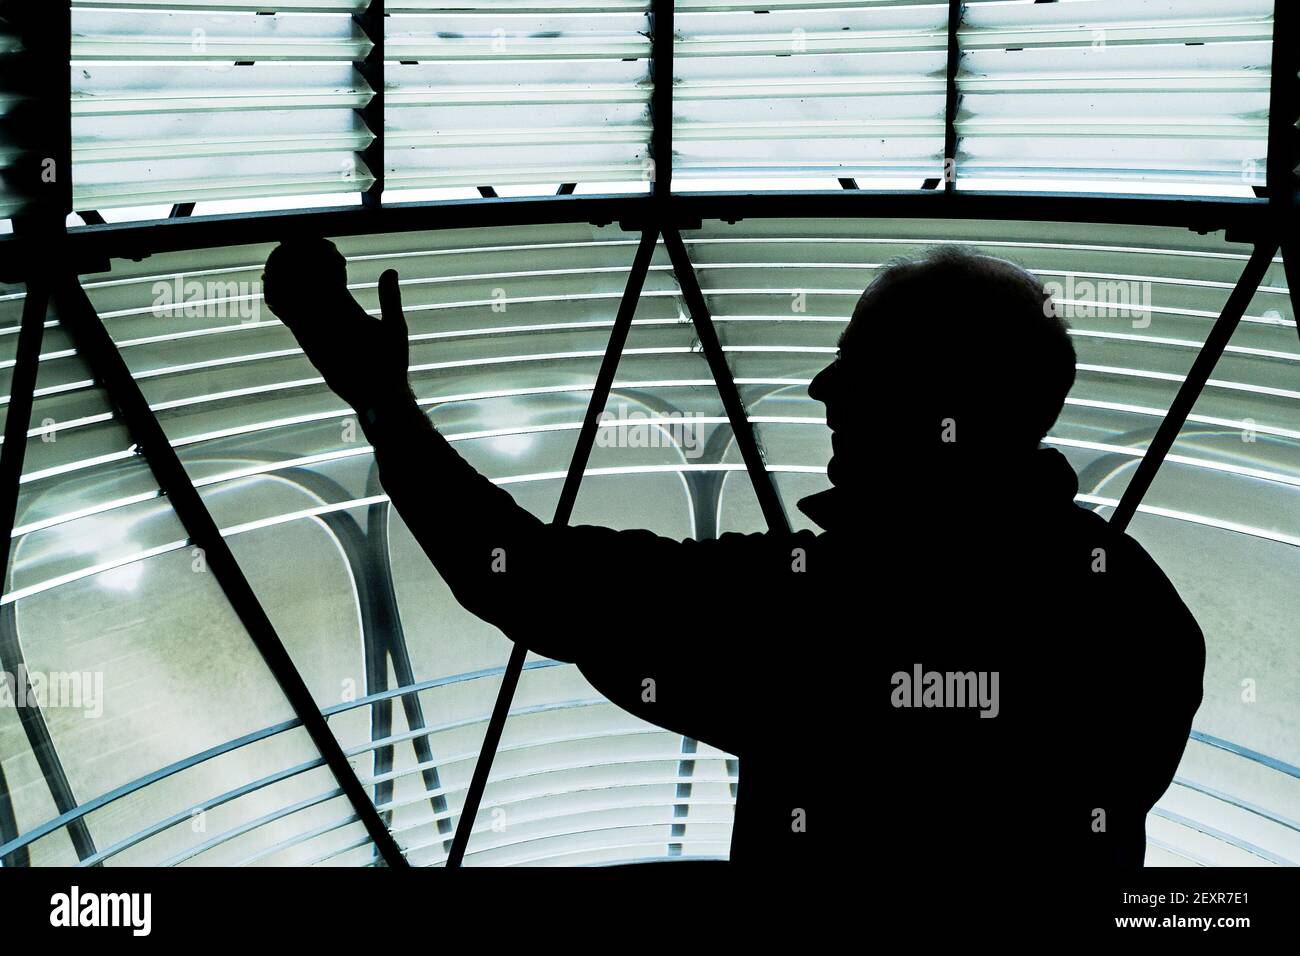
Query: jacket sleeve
[1170, 648]
[651, 622]
[1158, 648]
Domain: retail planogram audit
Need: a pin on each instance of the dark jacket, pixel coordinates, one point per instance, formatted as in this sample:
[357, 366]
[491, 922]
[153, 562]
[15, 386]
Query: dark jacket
[783, 649]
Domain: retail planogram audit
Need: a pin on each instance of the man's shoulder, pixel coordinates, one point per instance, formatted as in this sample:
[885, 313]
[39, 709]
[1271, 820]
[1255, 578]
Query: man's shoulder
[1136, 591]
[1132, 555]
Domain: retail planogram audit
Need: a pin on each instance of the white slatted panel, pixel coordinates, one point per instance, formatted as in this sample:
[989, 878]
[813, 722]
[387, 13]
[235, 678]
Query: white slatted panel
[509, 326]
[518, 93]
[1160, 91]
[579, 780]
[783, 89]
[187, 101]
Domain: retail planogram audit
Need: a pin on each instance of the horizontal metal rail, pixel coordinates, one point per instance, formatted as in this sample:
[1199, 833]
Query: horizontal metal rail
[103, 800]
[668, 804]
[1244, 805]
[371, 745]
[1221, 836]
[680, 468]
[309, 802]
[1218, 743]
[91, 247]
[595, 849]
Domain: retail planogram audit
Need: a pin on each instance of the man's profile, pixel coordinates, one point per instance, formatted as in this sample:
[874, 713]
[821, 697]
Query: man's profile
[962, 664]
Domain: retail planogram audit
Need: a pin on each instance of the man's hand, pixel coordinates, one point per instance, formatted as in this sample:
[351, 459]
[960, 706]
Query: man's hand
[363, 359]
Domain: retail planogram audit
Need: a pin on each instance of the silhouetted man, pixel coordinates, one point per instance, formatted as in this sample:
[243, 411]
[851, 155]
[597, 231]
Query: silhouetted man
[965, 669]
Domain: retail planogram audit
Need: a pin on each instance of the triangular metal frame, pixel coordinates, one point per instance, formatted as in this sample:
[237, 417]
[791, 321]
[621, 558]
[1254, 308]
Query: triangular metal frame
[47, 256]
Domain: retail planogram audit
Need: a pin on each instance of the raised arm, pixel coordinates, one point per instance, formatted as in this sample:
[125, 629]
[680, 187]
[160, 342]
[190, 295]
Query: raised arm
[571, 593]
[626, 606]
[469, 528]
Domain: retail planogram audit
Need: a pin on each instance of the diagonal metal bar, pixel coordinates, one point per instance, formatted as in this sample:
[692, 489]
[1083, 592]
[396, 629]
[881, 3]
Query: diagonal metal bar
[1251, 277]
[41, 175]
[21, 394]
[22, 391]
[9, 827]
[1284, 139]
[662, 27]
[96, 346]
[1291, 263]
[768, 499]
[38, 735]
[563, 511]
[605, 377]
[951, 98]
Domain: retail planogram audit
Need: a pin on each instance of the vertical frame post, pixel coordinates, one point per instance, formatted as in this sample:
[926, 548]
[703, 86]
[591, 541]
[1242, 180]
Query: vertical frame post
[371, 22]
[951, 98]
[662, 28]
[40, 123]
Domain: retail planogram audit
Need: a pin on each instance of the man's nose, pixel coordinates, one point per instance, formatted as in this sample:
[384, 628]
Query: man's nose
[819, 387]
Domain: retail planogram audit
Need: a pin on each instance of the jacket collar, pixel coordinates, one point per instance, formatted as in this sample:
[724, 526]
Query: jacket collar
[1046, 481]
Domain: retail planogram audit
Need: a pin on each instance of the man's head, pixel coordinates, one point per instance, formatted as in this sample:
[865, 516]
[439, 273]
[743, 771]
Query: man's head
[952, 354]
